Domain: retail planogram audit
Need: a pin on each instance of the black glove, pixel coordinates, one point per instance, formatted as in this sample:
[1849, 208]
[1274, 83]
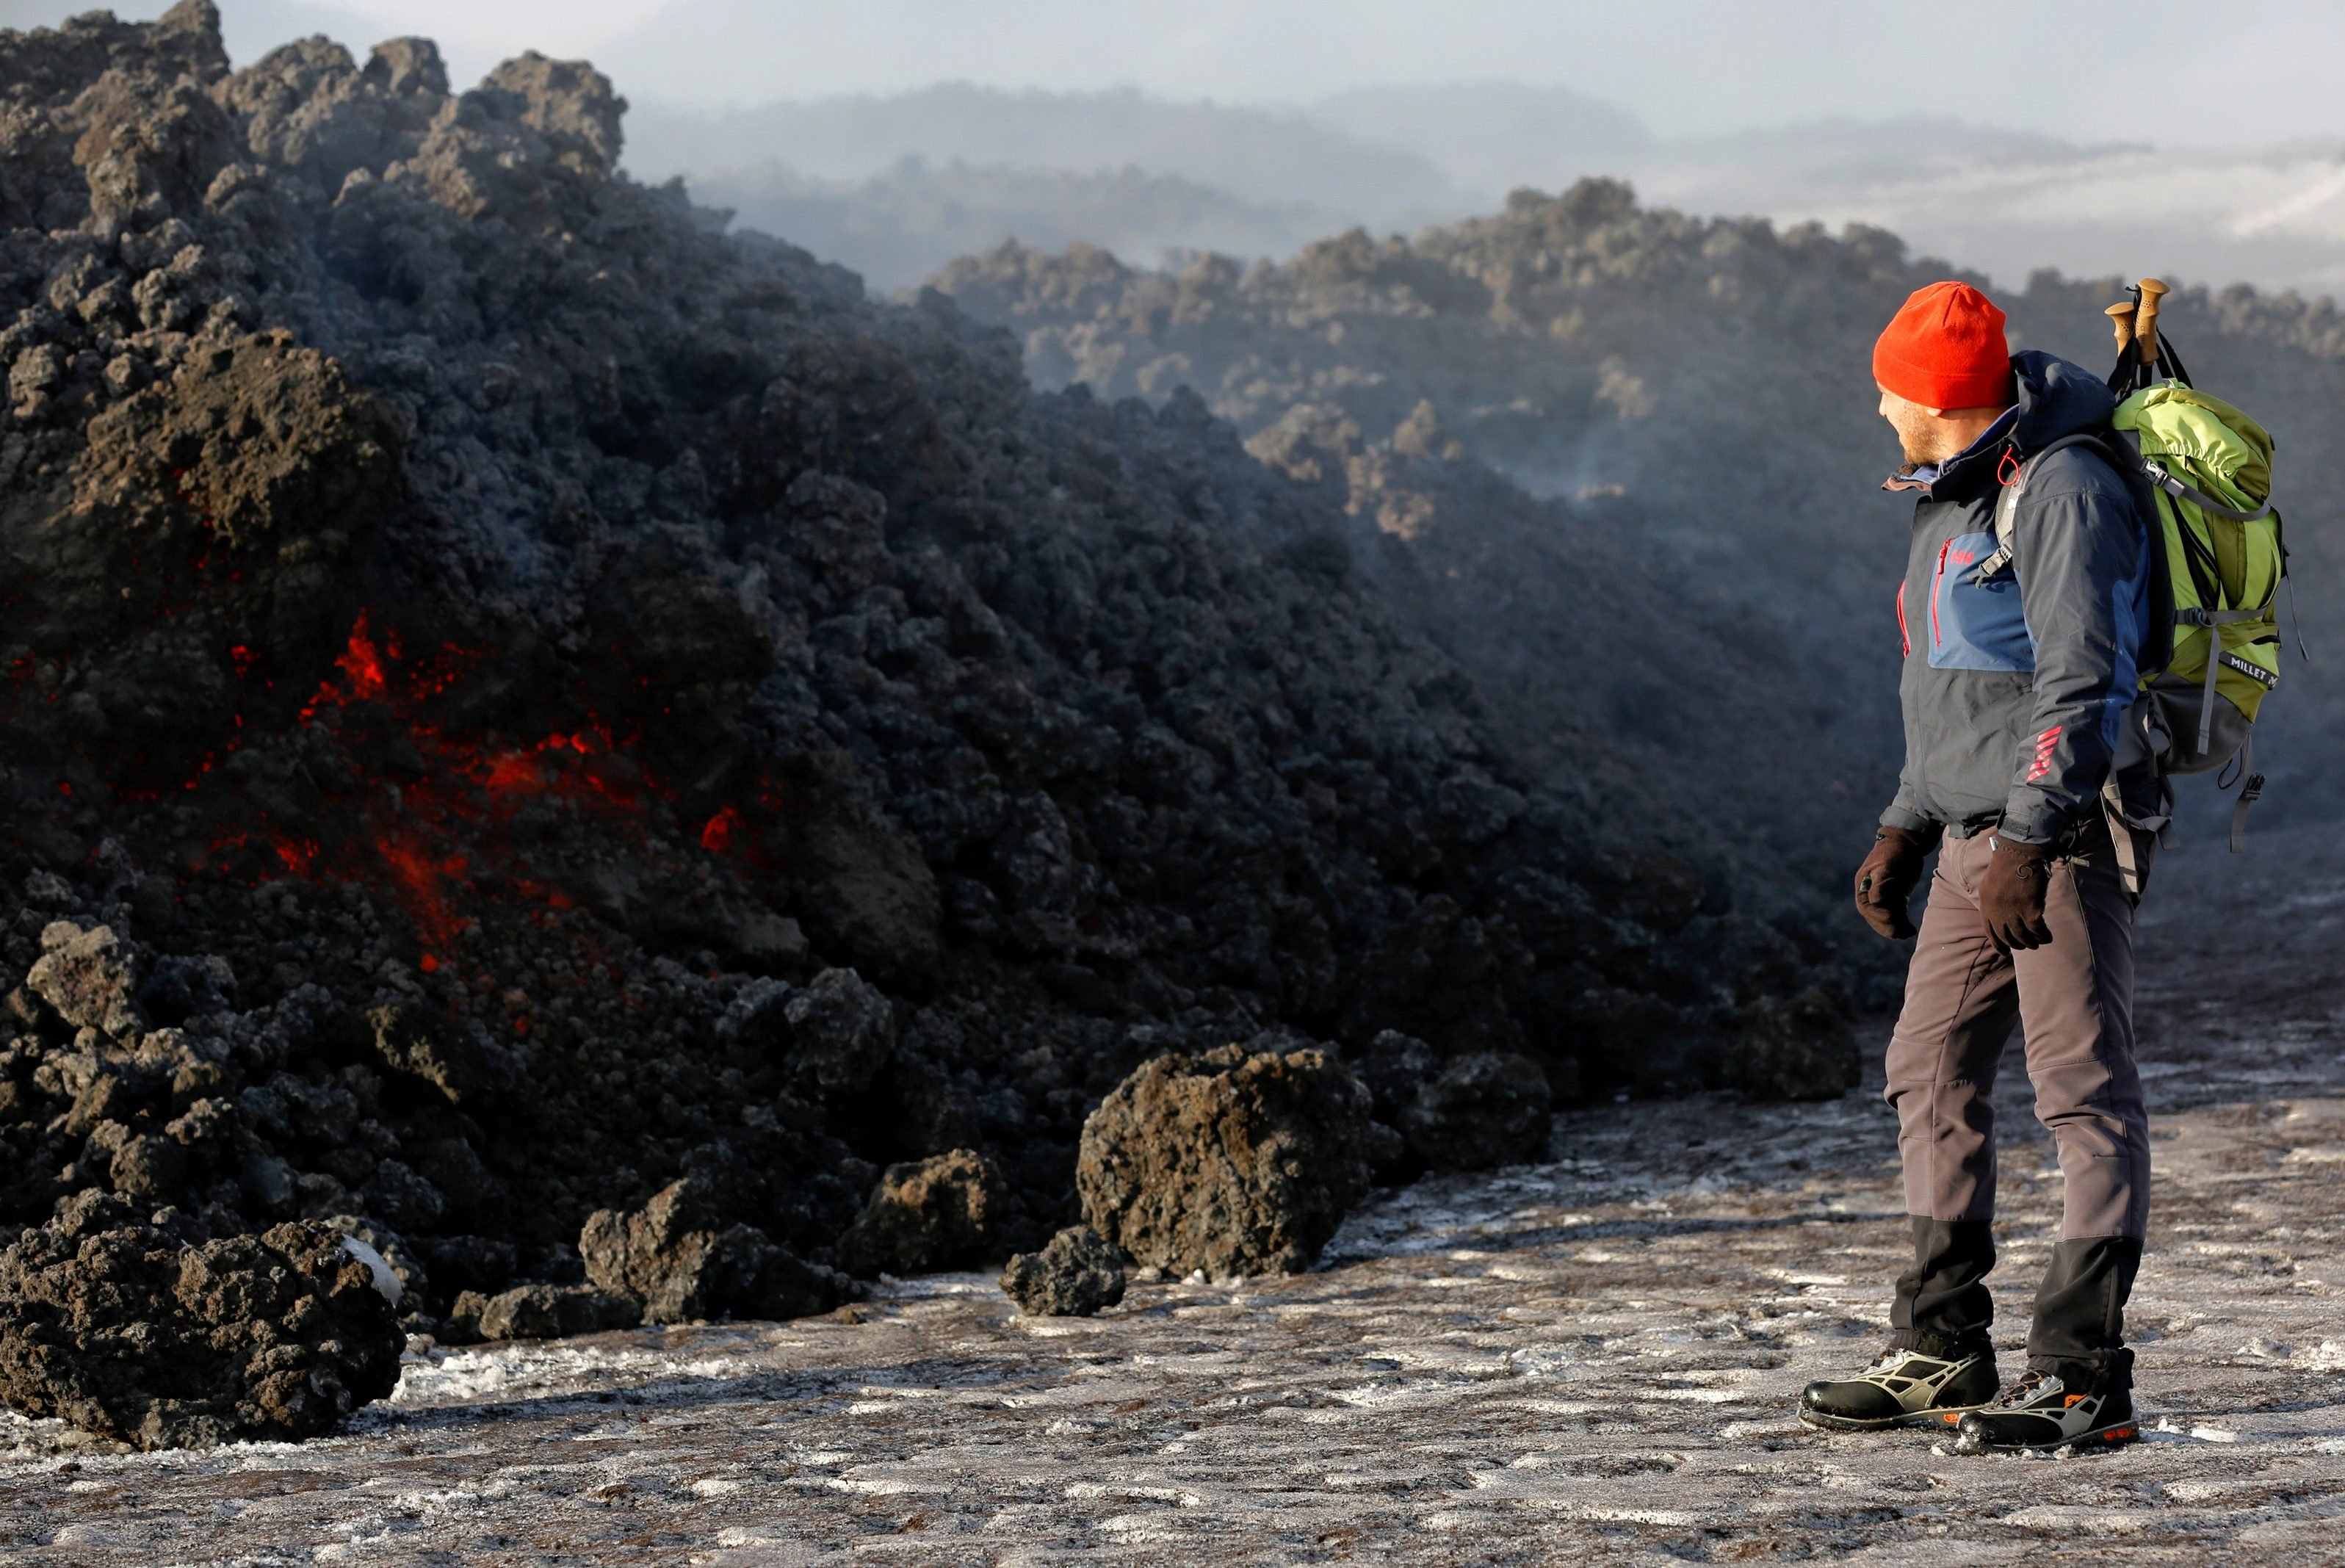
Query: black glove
[1885, 883]
[2011, 893]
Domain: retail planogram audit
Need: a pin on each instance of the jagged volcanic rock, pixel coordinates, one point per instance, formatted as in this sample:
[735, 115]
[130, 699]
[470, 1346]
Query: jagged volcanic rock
[676, 1259]
[88, 976]
[541, 1311]
[1074, 1276]
[842, 1032]
[549, 700]
[1234, 1160]
[159, 1337]
[938, 1213]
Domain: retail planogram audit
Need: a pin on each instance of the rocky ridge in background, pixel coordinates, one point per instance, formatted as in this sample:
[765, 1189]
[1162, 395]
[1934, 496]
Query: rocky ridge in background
[516, 700]
[1624, 464]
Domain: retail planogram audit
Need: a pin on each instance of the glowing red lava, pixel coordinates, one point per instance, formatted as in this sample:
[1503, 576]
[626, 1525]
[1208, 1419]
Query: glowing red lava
[449, 821]
[363, 663]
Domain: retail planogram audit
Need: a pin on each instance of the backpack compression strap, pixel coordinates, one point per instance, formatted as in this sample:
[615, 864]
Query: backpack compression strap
[2200, 498]
[2214, 621]
[2251, 789]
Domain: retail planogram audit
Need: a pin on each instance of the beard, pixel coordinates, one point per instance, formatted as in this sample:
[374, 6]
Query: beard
[1920, 443]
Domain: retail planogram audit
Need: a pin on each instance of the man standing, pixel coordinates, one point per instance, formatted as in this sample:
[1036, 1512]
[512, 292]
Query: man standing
[2022, 648]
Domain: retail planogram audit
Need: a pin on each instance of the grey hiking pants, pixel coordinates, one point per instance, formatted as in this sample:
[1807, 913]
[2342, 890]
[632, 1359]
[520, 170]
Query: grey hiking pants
[2073, 998]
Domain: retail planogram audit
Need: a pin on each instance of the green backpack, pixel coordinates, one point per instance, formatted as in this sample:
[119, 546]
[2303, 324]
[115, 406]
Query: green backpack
[2210, 467]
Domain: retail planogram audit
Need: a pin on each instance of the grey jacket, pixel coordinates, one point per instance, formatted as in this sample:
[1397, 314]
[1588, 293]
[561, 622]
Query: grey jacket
[2016, 685]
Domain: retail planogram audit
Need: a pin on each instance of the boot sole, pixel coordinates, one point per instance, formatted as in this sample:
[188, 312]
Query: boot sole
[2117, 1435]
[1935, 1416]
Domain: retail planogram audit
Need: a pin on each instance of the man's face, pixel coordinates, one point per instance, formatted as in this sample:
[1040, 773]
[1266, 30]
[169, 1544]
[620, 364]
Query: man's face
[1923, 433]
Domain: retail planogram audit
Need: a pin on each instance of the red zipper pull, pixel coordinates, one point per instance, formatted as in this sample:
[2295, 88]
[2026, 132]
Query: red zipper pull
[1937, 583]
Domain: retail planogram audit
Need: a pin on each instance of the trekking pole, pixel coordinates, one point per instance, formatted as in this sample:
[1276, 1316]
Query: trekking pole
[2127, 373]
[2144, 321]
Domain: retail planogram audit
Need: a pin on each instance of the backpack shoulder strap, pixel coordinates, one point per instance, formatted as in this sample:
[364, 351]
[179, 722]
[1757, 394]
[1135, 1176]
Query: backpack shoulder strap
[2006, 506]
[2121, 456]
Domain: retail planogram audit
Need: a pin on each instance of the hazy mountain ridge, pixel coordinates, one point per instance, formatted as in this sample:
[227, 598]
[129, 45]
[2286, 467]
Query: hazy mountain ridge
[1255, 154]
[1490, 136]
[2012, 205]
[1393, 159]
[890, 227]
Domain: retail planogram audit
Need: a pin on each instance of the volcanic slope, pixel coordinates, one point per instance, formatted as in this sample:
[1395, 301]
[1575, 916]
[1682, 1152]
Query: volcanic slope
[1703, 587]
[480, 642]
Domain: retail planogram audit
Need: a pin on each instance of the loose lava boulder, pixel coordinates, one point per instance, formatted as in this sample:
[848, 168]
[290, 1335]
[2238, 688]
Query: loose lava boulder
[942, 1212]
[512, 697]
[1238, 1161]
[539, 1311]
[1074, 1276]
[154, 1334]
[678, 1263]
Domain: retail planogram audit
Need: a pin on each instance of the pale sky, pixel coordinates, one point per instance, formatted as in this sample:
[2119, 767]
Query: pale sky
[2245, 71]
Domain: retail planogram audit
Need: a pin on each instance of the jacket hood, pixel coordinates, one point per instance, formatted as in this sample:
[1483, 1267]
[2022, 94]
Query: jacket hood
[2056, 397]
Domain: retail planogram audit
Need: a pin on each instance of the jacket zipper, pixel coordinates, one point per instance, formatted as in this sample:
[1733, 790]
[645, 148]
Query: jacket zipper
[1905, 637]
[1935, 640]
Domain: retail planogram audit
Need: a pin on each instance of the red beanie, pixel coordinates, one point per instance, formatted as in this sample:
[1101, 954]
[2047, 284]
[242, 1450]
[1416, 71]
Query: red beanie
[1945, 348]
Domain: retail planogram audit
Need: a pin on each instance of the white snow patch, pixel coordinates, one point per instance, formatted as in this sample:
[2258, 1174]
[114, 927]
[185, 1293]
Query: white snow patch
[489, 1372]
[2167, 1429]
[385, 1281]
[2092, 1520]
[872, 1485]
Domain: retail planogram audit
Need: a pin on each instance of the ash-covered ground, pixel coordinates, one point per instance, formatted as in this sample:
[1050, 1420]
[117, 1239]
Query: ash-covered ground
[1592, 1358]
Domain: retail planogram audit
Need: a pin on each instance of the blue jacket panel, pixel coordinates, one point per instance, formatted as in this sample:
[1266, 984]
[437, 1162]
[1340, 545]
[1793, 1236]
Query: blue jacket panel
[1976, 622]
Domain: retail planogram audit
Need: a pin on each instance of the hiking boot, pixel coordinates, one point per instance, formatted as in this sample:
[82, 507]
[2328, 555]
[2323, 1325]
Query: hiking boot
[2044, 1410]
[1932, 1385]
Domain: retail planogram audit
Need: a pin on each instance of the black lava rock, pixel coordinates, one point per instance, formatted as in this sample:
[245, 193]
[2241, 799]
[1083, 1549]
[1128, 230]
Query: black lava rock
[142, 1332]
[1484, 1110]
[1234, 1160]
[1073, 1277]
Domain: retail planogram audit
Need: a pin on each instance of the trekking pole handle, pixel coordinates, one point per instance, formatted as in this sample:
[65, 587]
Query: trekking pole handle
[2121, 317]
[2144, 322]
